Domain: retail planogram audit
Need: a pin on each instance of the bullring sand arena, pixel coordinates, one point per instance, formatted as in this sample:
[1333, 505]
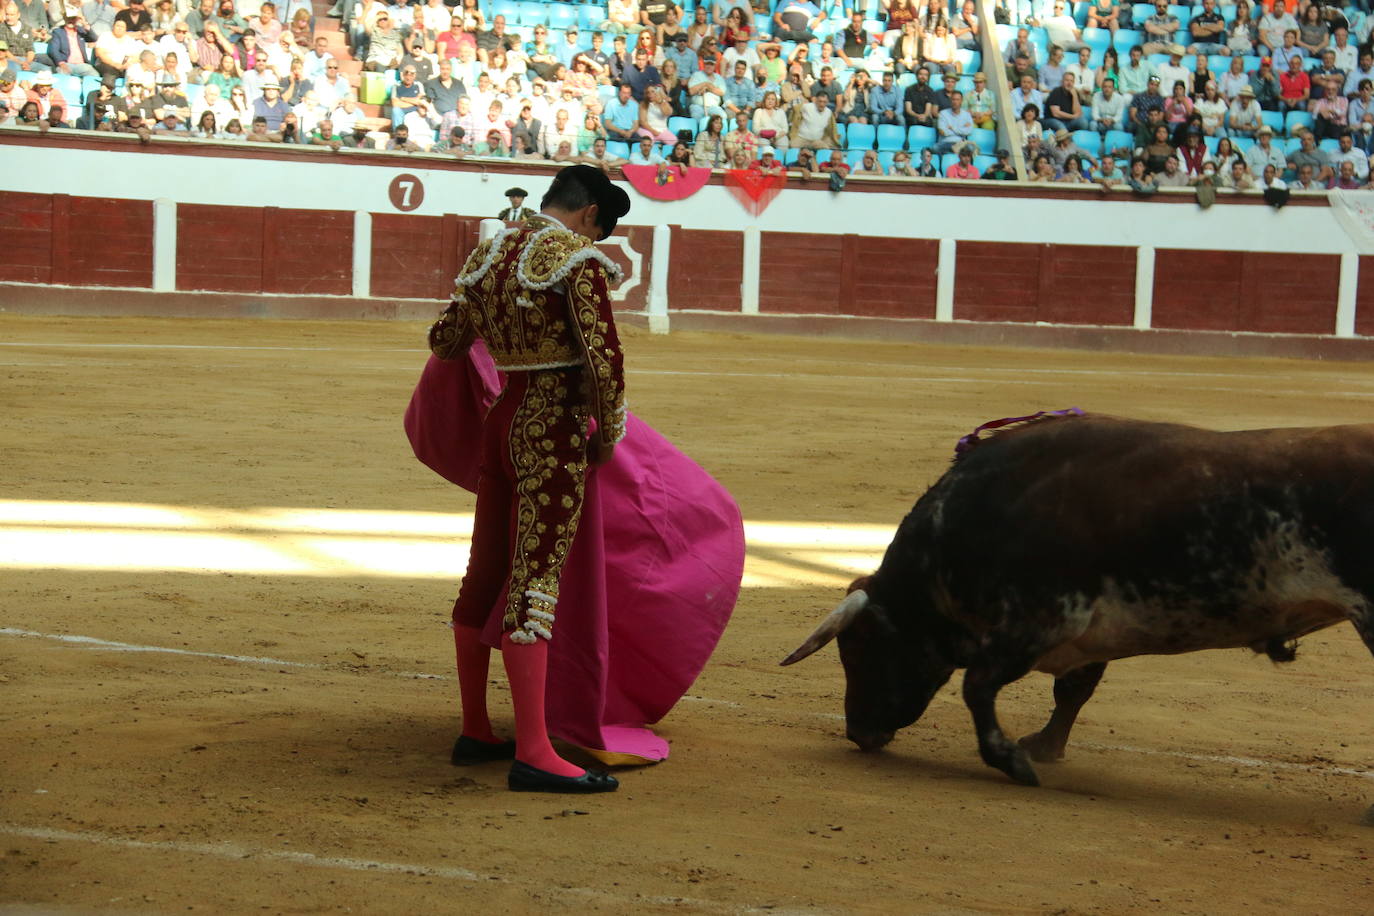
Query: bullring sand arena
[227, 685]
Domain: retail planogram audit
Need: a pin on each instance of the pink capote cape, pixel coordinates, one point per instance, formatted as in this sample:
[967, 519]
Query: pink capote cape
[650, 582]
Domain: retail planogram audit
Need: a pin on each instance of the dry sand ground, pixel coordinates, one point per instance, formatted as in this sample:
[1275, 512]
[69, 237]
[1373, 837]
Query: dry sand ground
[160, 783]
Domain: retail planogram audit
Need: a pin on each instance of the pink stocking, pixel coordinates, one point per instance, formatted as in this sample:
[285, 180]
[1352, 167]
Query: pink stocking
[473, 659]
[526, 667]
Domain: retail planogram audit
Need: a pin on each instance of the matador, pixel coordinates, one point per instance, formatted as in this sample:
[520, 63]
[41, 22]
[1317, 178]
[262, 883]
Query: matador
[538, 297]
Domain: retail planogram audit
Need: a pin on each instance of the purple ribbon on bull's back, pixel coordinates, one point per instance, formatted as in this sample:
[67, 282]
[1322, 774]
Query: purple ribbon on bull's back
[970, 442]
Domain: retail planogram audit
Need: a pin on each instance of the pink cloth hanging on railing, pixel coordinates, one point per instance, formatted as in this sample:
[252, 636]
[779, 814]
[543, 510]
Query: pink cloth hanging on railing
[650, 582]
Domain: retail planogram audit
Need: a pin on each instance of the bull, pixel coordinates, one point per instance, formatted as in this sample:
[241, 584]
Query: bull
[1062, 544]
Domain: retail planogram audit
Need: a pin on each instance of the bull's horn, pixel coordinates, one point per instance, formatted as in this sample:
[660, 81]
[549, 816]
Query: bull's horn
[831, 626]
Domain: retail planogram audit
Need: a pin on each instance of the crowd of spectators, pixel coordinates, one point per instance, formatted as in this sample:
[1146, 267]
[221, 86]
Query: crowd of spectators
[712, 85]
[1243, 96]
[1142, 96]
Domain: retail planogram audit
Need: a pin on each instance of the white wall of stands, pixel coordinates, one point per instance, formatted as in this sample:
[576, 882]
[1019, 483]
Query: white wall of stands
[317, 183]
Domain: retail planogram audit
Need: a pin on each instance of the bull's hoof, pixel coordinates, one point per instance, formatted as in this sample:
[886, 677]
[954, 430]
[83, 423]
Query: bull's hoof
[1020, 770]
[1041, 748]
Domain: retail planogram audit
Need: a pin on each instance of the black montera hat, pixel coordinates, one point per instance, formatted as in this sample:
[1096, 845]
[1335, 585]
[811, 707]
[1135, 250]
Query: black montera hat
[517, 192]
[613, 202]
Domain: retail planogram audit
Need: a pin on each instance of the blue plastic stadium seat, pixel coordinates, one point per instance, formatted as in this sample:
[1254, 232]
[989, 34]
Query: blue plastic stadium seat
[790, 156]
[854, 157]
[592, 17]
[561, 15]
[533, 13]
[1297, 119]
[1252, 62]
[508, 8]
[1212, 142]
[885, 159]
[890, 137]
[606, 93]
[1089, 140]
[618, 148]
[983, 163]
[1330, 145]
[1118, 139]
[919, 137]
[680, 124]
[1274, 119]
[1127, 39]
[1291, 145]
[1141, 11]
[860, 136]
[1243, 144]
[1097, 39]
[1217, 63]
[970, 59]
[986, 139]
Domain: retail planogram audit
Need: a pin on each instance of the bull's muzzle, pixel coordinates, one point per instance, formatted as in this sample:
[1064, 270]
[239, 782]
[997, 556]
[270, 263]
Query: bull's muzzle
[869, 739]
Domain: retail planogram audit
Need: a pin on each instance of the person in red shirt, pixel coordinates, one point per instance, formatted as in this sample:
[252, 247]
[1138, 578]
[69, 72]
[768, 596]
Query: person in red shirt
[964, 168]
[448, 43]
[1295, 86]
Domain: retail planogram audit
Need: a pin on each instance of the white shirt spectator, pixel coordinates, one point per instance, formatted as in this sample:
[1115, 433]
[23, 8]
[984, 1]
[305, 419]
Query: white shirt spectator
[1271, 28]
[1084, 78]
[1169, 74]
[344, 119]
[654, 157]
[332, 94]
[1347, 58]
[814, 122]
[217, 106]
[1061, 30]
[117, 48]
[750, 58]
[315, 64]
[1230, 83]
[1113, 108]
[1352, 82]
[421, 126]
[1360, 160]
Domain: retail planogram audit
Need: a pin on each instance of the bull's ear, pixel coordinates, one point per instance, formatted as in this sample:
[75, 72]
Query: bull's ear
[831, 626]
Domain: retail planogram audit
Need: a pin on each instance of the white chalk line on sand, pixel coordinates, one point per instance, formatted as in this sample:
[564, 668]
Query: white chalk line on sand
[238, 852]
[110, 645]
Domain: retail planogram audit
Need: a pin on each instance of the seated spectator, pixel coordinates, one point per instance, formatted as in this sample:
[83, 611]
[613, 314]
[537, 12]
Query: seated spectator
[1233, 80]
[384, 45]
[454, 142]
[1267, 86]
[979, 103]
[1172, 176]
[654, 112]
[1329, 114]
[1313, 35]
[206, 127]
[1027, 94]
[1264, 153]
[906, 53]
[1042, 169]
[681, 154]
[709, 150]
[259, 132]
[706, 94]
[938, 49]
[927, 168]
[1326, 74]
[296, 86]
[1286, 53]
[1238, 177]
[46, 96]
[171, 98]
[1207, 30]
[1063, 108]
[1224, 156]
[770, 122]
[1348, 152]
[1141, 180]
[1020, 46]
[1109, 14]
[1108, 175]
[1064, 147]
[1158, 151]
[1029, 125]
[598, 157]
[1307, 180]
[742, 138]
[1134, 78]
[495, 146]
[1359, 74]
[1159, 30]
[901, 165]
[400, 141]
[741, 95]
[1073, 172]
[1062, 30]
[270, 107]
[1178, 107]
[420, 122]
[1173, 72]
[870, 165]
[590, 131]
[954, 126]
[1243, 32]
[837, 167]
[813, 125]
[768, 163]
[347, 115]
[1001, 170]
[919, 101]
[1109, 108]
[1192, 155]
[527, 135]
[1308, 154]
[560, 131]
[645, 154]
[796, 20]
[1270, 178]
[854, 101]
[1273, 25]
[1346, 178]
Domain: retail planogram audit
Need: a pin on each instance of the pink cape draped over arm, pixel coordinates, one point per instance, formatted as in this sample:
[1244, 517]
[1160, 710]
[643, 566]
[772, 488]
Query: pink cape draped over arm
[650, 582]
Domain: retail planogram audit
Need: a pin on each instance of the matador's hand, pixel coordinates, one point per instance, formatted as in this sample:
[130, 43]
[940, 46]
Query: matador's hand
[599, 452]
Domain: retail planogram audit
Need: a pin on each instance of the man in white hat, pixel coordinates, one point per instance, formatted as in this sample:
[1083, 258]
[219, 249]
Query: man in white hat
[1264, 152]
[47, 97]
[271, 105]
[1244, 115]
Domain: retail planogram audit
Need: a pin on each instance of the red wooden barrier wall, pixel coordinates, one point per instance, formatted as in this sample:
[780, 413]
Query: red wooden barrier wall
[847, 275]
[417, 257]
[705, 269]
[1271, 292]
[76, 241]
[1059, 284]
[264, 250]
[1364, 298]
[26, 226]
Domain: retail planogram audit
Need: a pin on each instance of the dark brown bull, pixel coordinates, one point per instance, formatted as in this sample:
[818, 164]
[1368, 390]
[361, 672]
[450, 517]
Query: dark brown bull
[1063, 544]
